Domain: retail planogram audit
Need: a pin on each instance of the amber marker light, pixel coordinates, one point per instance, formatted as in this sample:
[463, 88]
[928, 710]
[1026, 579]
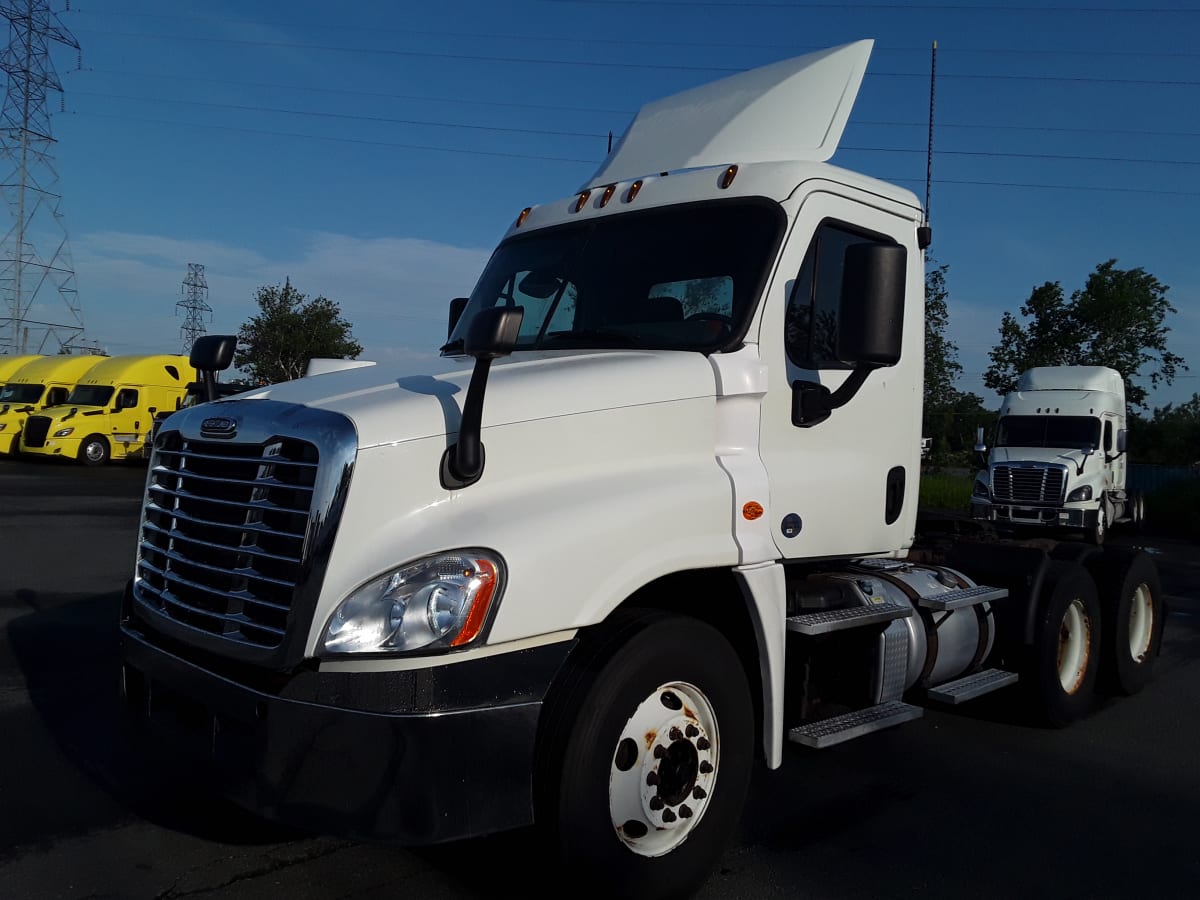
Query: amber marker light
[524, 213]
[633, 190]
[582, 200]
[607, 195]
[727, 178]
[479, 609]
[752, 511]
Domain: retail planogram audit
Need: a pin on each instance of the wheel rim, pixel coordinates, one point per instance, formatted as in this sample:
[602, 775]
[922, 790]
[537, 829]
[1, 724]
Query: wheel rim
[94, 451]
[1141, 622]
[1100, 525]
[1074, 646]
[663, 769]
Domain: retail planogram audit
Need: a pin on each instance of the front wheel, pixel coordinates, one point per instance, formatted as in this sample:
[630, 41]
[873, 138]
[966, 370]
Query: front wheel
[93, 450]
[1066, 651]
[646, 757]
[1099, 529]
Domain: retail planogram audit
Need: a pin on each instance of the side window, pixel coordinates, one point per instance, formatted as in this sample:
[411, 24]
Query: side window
[814, 309]
[540, 293]
[127, 399]
[56, 396]
[1108, 436]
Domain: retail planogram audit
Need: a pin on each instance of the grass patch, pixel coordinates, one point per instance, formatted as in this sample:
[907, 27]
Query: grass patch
[946, 491]
[1175, 509]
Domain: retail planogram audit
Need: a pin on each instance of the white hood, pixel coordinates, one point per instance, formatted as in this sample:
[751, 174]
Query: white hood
[1052, 455]
[388, 408]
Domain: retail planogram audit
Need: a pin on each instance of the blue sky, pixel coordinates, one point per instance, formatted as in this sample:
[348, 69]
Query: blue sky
[375, 152]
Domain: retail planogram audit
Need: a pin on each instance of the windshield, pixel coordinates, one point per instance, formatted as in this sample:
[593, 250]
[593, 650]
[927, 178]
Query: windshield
[684, 278]
[21, 393]
[90, 395]
[1067, 432]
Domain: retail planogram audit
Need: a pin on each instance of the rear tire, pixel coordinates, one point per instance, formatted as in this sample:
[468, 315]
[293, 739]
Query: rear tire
[1066, 650]
[646, 755]
[93, 450]
[1131, 600]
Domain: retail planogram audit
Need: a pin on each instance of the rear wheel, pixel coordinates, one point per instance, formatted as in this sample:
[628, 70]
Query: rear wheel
[1066, 651]
[646, 756]
[1134, 616]
[93, 450]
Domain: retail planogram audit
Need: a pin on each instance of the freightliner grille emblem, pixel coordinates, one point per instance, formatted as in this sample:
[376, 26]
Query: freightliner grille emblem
[218, 427]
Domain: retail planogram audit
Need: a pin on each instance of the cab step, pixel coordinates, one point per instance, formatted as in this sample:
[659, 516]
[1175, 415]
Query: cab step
[846, 727]
[971, 686]
[827, 620]
[962, 597]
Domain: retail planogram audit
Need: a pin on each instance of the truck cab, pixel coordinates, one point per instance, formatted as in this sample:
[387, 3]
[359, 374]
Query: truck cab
[9, 364]
[43, 382]
[1060, 460]
[109, 413]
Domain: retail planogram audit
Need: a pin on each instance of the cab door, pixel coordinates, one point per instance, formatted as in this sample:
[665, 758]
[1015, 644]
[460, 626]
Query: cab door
[848, 484]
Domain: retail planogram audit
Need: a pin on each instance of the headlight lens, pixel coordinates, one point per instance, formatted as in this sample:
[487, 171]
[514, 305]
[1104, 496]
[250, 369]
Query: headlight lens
[3, 425]
[1080, 493]
[435, 603]
[63, 432]
[980, 489]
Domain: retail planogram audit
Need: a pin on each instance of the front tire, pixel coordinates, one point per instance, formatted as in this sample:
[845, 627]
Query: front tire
[646, 757]
[1066, 651]
[1099, 529]
[93, 450]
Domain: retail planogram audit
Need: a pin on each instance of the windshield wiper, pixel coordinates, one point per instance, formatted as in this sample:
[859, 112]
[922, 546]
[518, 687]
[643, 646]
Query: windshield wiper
[621, 338]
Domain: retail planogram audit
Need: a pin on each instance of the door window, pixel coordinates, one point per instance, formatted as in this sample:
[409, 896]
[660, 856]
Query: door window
[127, 399]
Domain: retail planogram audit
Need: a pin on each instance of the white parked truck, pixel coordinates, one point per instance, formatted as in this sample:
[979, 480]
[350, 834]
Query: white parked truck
[654, 530]
[1059, 459]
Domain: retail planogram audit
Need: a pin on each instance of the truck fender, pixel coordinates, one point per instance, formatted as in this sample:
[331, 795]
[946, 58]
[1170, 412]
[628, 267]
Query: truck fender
[764, 590]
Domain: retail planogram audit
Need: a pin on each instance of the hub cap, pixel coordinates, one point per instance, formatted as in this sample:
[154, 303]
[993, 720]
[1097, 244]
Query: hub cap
[1141, 623]
[1074, 646]
[663, 769]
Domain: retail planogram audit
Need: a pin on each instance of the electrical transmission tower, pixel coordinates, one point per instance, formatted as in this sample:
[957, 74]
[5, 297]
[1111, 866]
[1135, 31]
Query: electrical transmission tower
[194, 304]
[40, 303]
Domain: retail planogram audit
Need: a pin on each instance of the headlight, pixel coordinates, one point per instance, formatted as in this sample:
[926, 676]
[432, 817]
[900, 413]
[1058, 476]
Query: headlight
[980, 489]
[3, 425]
[1080, 493]
[435, 603]
[63, 432]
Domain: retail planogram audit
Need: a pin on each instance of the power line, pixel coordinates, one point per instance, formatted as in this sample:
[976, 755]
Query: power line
[931, 7]
[989, 154]
[471, 57]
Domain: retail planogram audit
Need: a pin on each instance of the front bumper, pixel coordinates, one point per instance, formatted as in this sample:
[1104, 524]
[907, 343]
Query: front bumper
[1046, 516]
[416, 756]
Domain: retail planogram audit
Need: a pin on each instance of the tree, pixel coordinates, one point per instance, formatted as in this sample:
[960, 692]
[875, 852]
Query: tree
[950, 415]
[289, 330]
[1115, 320]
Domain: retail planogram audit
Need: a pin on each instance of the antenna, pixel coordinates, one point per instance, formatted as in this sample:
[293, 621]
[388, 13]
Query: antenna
[195, 305]
[30, 191]
[925, 233]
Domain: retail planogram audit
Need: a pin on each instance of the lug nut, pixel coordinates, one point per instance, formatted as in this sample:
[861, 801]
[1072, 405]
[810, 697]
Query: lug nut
[675, 734]
[652, 778]
[703, 744]
[669, 815]
[685, 811]
[656, 803]
[705, 767]
[691, 731]
[660, 751]
[699, 793]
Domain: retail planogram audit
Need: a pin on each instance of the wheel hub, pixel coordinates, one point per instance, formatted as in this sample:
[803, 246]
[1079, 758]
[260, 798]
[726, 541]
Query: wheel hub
[664, 769]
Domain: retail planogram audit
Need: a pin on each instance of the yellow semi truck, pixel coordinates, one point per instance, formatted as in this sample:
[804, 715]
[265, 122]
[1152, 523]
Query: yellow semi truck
[110, 411]
[43, 382]
[10, 364]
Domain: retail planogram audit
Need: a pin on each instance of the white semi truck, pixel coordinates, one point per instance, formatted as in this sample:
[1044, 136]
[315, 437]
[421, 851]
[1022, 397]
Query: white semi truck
[1059, 460]
[654, 530]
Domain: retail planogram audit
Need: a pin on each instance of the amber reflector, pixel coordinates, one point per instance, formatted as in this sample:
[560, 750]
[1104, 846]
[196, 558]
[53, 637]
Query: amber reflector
[727, 178]
[608, 192]
[524, 213]
[633, 191]
[752, 511]
[478, 613]
[582, 200]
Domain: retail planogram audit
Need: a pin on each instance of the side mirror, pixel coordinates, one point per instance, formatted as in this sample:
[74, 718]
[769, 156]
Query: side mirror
[457, 305]
[493, 332]
[1088, 450]
[1122, 440]
[213, 352]
[871, 324]
[980, 444]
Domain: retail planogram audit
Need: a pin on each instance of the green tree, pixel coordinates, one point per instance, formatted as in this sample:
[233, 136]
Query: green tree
[289, 330]
[1115, 320]
[950, 415]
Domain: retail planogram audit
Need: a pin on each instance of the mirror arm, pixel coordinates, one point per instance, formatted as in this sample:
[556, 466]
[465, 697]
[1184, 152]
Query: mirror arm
[812, 403]
[462, 463]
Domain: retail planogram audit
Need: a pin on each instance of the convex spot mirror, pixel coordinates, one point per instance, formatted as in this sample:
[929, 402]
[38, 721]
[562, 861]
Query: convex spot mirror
[871, 324]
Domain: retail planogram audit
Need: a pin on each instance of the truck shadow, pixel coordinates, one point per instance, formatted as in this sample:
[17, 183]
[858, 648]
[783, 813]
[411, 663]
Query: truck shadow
[71, 765]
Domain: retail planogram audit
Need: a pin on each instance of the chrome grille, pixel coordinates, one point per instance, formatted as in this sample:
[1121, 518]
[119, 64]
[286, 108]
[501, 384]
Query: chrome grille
[1028, 484]
[223, 534]
[36, 429]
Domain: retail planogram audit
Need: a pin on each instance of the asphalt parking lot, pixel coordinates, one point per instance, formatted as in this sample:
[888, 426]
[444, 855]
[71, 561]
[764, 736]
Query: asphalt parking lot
[975, 803]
